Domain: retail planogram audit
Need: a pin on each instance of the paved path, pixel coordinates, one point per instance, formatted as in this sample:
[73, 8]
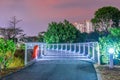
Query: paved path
[56, 70]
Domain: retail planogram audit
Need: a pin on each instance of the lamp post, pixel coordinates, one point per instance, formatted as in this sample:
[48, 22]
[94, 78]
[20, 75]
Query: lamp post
[111, 52]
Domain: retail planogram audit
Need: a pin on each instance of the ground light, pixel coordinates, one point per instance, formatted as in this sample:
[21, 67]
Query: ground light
[111, 52]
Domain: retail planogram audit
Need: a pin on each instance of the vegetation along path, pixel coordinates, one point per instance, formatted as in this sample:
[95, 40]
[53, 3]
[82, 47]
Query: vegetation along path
[56, 70]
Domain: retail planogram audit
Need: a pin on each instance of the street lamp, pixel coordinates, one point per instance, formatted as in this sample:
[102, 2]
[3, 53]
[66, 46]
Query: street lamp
[111, 52]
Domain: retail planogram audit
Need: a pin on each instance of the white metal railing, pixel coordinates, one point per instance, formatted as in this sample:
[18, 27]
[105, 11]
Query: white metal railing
[89, 49]
[29, 50]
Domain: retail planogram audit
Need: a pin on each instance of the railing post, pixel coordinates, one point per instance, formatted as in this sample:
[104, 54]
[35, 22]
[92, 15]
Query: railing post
[79, 48]
[66, 47]
[45, 48]
[74, 48]
[61, 47]
[88, 53]
[98, 51]
[48, 47]
[53, 46]
[70, 48]
[93, 51]
[25, 54]
[84, 48]
[41, 48]
[57, 47]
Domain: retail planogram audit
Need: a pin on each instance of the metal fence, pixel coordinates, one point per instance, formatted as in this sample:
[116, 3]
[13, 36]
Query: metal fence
[81, 51]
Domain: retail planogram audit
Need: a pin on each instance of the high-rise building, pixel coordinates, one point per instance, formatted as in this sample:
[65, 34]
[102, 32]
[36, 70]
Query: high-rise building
[84, 27]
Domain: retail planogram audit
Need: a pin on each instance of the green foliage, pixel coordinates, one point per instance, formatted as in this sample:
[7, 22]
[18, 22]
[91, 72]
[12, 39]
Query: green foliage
[115, 32]
[7, 49]
[110, 41]
[106, 17]
[22, 47]
[62, 33]
[41, 36]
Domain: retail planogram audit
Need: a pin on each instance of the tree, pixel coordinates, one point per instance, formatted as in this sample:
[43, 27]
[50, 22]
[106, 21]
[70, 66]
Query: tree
[92, 36]
[41, 36]
[62, 33]
[106, 17]
[13, 31]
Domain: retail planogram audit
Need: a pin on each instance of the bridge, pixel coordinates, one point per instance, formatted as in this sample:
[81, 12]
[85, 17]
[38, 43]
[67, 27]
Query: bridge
[88, 51]
[65, 61]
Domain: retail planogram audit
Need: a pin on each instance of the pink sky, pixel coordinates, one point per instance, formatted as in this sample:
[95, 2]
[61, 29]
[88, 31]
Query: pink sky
[36, 14]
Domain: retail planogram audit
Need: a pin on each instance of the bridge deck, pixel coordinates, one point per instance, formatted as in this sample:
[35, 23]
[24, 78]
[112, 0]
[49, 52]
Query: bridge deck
[56, 70]
[62, 55]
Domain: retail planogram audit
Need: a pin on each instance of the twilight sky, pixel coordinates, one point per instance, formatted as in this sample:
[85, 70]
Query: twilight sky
[36, 14]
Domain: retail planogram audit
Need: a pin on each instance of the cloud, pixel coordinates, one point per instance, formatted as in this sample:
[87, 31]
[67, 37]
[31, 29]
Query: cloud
[85, 4]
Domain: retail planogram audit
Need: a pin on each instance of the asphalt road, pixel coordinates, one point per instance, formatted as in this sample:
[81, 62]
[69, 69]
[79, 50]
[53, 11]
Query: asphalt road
[56, 70]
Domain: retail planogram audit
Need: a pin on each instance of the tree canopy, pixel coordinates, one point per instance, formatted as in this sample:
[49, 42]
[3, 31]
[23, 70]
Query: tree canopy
[106, 17]
[61, 33]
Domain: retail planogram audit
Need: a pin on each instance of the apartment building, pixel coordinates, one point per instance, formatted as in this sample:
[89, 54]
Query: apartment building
[84, 27]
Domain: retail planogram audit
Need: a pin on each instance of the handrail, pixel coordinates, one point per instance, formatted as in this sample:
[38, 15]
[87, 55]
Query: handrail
[86, 49]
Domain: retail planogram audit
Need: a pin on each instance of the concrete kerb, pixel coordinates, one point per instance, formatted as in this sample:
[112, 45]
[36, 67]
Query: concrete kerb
[98, 72]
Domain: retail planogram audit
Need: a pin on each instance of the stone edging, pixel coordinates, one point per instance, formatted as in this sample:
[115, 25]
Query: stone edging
[98, 72]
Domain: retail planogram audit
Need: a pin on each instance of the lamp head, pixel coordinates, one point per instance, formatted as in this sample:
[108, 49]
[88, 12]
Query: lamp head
[111, 50]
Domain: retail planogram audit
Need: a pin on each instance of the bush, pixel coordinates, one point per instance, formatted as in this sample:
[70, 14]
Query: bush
[7, 49]
[22, 46]
[110, 41]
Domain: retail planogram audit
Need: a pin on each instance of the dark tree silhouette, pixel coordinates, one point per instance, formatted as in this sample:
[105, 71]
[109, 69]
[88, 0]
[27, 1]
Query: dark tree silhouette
[12, 31]
[106, 17]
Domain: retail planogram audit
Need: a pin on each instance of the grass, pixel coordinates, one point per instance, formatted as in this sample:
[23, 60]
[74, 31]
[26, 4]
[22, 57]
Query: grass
[109, 74]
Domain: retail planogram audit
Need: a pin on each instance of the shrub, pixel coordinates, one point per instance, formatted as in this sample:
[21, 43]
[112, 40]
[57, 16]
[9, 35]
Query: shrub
[7, 49]
[22, 46]
[110, 41]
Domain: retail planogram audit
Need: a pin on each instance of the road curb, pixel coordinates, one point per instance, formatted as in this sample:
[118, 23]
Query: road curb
[98, 72]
